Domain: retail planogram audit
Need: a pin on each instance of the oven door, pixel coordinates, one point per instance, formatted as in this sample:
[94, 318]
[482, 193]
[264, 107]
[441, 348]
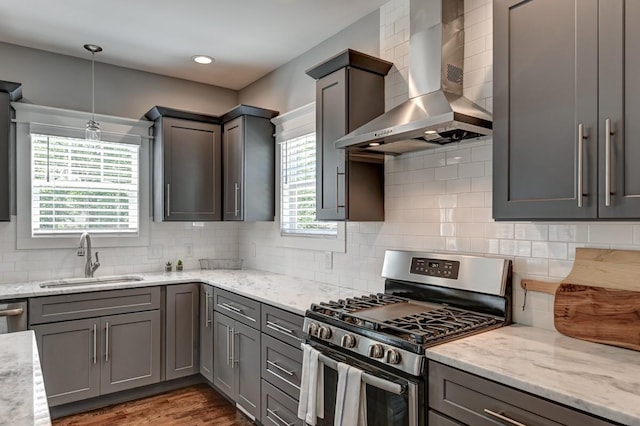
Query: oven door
[390, 399]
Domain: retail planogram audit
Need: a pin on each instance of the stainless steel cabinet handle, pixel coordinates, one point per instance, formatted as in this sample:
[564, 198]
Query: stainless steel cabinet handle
[95, 343]
[273, 364]
[280, 419]
[581, 138]
[607, 162]
[236, 189]
[277, 327]
[207, 316]
[228, 346]
[503, 418]
[230, 307]
[233, 347]
[338, 174]
[11, 312]
[168, 199]
[106, 345]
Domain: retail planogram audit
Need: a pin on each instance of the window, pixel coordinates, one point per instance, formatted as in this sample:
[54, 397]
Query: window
[67, 185]
[79, 185]
[298, 188]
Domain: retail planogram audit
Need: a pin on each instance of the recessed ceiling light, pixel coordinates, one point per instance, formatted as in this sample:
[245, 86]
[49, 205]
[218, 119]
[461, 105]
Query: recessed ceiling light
[203, 59]
[374, 144]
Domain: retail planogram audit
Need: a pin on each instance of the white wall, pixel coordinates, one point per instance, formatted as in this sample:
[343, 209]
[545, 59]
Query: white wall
[441, 199]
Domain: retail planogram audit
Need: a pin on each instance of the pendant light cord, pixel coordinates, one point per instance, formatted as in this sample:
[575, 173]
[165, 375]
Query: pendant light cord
[93, 86]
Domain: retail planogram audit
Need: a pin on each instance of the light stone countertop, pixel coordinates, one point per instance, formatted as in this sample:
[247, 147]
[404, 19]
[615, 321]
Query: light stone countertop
[23, 400]
[598, 379]
[293, 294]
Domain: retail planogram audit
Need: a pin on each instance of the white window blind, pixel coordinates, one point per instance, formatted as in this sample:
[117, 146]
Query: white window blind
[298, 189]
[77, 185]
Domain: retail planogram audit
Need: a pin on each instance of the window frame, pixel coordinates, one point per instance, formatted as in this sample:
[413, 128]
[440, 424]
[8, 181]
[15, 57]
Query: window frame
[28, 114]
[296, 123]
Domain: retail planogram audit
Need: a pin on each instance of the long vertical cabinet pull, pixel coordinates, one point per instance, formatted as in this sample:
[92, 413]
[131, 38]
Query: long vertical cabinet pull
[233, 347]
[168, 199]
[207, 314]
[234, 360]
[95, 344]
[228, 346]
[236, 189]
[607, 162]
[106, 344]
[338, 174]
[581, 138]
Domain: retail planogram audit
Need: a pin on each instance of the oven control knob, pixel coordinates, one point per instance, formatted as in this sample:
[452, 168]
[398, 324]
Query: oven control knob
[376, 351]
[313, 329]
[393, 356]
[324, 332]
[348, 341]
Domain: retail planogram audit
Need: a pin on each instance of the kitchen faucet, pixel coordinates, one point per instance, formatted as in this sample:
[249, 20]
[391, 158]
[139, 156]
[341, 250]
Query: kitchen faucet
[89, 266]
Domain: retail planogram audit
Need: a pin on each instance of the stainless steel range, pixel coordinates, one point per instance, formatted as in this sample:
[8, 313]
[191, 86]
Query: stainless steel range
[429, 299]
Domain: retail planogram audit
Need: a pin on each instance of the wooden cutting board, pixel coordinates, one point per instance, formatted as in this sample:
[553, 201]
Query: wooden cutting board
[599, 300]
[598, 314]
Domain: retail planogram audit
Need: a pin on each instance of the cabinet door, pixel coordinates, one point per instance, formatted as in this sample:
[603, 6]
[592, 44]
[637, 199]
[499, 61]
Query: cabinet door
[246, 357]
[192, 170]
[545, 90]
[619, 67]
[223, 371]
[181, 330]
[233, 152]
[331, 124]
[206, 332]
[69, 354]
[131, 351]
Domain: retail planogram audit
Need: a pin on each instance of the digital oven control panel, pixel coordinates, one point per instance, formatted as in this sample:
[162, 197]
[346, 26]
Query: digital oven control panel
[435, 267]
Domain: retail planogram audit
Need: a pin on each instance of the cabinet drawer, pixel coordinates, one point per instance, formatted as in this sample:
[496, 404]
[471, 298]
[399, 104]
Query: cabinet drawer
[471, 399]
[436, 419]
[282, 365]
[240, 308]
[282, 325]
[278, 409]
[93, 304]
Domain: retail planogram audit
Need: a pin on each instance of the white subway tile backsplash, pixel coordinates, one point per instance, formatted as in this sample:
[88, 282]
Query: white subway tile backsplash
[611, 233]
[459, 185]
[481, 184]
[471, 170]
[531, 231]
[458, 156]
[446, 173]
[568, 232]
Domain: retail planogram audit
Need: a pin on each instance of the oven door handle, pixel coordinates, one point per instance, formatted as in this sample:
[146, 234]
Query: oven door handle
[367, 378]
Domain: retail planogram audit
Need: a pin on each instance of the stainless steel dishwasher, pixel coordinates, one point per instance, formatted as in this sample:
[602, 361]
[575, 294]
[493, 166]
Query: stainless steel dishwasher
[13, 316]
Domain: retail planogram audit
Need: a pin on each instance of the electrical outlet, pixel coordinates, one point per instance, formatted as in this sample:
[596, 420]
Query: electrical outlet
[188, 250]
[328, 260]
[197, 224]
[155, 252]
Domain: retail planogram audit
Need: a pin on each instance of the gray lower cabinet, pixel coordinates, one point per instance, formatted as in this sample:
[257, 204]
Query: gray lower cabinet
[248, 151]
[566, 102]
[460, 398]
[349, 93]
[236, 364]
[281, 366]
[84, 356]
[206, 332]
[70, 359]
[182, 332]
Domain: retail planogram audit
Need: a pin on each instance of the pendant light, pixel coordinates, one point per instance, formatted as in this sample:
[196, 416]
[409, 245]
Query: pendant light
[92, 131]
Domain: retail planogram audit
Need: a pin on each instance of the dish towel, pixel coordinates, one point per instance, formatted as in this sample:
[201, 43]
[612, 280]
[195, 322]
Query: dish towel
[311, 403]
[351, 406]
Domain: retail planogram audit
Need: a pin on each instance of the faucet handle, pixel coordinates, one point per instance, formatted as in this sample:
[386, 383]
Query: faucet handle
[96, 264]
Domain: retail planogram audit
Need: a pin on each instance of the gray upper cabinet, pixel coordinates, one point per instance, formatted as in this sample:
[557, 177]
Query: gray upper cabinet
[206, 332]
[248, 150]
[8, 92]
[182, 330]
[558, 88]
[187, 166]
[349, 93]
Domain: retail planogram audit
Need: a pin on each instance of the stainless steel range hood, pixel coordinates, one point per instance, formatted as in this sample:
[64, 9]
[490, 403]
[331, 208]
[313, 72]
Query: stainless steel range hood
[436, 112]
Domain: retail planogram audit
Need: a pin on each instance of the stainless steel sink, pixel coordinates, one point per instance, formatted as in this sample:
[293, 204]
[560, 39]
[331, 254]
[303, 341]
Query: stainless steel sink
[75, 282]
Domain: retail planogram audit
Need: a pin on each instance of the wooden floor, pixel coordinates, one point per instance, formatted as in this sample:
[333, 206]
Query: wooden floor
[195, 405]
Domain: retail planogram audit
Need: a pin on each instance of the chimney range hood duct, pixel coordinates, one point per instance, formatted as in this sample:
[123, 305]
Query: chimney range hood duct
[436, 112]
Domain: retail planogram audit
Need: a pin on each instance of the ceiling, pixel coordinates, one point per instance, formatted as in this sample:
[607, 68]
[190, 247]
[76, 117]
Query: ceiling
[247, 38]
